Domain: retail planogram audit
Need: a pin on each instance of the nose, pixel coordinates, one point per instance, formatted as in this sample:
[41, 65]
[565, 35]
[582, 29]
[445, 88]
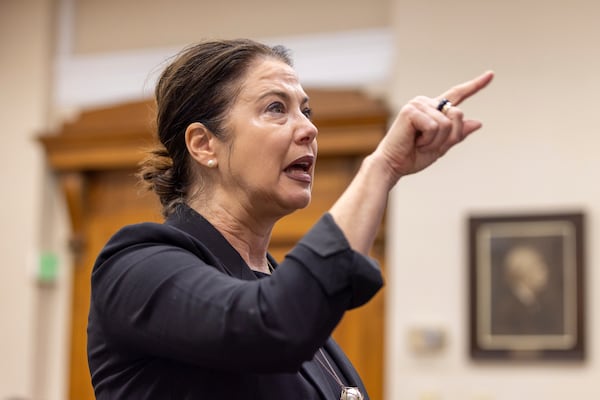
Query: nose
[306, 131]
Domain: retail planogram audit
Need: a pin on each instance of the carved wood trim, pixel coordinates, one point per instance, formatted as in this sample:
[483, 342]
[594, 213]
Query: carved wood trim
[73, 188]
[118, 136]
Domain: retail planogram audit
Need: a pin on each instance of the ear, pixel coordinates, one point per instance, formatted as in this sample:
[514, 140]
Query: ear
[200, 143]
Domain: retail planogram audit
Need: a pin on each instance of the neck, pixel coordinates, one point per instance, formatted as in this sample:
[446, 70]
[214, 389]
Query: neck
[249, 236]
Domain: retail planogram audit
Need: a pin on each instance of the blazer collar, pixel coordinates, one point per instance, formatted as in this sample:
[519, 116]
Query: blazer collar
[188, 220]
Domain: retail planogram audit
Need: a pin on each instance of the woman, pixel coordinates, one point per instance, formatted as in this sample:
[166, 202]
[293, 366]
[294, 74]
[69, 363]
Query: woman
[195, 308]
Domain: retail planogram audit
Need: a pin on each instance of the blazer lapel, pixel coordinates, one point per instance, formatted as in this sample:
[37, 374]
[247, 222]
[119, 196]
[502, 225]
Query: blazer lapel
[345, 366]
[315, 374]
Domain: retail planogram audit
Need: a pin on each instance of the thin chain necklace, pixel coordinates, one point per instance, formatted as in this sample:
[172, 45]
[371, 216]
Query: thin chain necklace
[348, 392]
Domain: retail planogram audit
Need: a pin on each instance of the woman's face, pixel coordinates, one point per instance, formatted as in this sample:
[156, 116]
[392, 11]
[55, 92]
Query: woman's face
[267, 165]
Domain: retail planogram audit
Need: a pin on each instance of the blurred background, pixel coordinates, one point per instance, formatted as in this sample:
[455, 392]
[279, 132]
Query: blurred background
[537, 153]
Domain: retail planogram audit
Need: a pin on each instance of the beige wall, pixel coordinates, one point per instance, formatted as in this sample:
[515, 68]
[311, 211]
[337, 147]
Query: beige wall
[25, 39]
[111, 25]
[537, 151]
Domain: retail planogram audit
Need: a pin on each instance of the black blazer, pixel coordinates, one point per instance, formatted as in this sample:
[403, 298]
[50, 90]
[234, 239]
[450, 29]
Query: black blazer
[177, 314]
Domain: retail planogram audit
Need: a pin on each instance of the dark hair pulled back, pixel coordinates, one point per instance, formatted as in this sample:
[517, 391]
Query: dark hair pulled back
[199, 85]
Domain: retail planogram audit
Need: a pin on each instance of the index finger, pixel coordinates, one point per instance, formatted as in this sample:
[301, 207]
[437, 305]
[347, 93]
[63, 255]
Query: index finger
[463, 91]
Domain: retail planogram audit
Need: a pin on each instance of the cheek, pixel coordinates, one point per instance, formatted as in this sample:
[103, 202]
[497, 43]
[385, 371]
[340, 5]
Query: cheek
[271, 153]
[257, 161]
[260, 152]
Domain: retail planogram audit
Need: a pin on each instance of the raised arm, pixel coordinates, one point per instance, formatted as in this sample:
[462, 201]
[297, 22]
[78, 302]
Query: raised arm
[420, 134]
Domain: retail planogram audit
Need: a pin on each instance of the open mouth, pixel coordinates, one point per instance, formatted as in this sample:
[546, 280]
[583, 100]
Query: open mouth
[301, 167]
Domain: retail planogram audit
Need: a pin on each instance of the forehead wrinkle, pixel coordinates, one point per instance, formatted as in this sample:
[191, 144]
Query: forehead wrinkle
[273, 78]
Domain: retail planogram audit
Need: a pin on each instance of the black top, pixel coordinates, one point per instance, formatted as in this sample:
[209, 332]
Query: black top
[177, 314]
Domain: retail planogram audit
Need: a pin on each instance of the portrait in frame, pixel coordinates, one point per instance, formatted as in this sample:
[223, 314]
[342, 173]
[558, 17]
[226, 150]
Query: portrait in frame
[526, 287]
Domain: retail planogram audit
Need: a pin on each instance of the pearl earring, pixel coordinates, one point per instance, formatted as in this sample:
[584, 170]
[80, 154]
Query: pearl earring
[211, 163]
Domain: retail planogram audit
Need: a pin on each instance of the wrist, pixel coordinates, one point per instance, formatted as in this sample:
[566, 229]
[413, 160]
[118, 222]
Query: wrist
[381, 170]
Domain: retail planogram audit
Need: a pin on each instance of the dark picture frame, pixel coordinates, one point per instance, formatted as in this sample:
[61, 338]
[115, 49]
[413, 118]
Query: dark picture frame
[526, 280]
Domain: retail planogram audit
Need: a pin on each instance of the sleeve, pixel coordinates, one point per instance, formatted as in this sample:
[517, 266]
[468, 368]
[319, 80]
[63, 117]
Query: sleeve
[161, 299]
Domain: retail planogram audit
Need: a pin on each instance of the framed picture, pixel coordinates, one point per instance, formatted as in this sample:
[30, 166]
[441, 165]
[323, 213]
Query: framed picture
[526, 287]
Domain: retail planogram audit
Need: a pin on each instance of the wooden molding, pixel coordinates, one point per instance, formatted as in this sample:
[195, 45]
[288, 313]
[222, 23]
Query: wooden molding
[118, 136]
[73, 187]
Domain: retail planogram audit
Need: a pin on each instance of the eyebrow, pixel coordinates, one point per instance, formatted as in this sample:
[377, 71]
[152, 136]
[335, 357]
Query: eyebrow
[282, 94]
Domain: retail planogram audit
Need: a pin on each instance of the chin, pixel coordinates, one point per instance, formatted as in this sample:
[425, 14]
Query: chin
[298, 203]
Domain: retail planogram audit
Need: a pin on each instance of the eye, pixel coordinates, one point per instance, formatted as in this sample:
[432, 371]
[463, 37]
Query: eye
[276, 107]
[308, 112]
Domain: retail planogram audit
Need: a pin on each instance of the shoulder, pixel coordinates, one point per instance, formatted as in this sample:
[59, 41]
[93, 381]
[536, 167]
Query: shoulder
[150, 232]
[146, 235]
